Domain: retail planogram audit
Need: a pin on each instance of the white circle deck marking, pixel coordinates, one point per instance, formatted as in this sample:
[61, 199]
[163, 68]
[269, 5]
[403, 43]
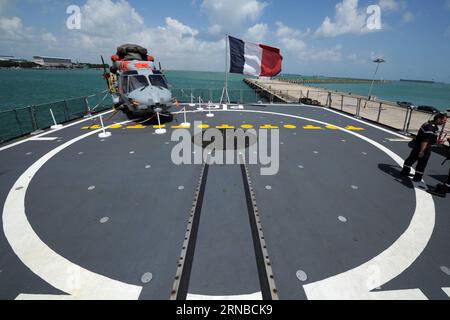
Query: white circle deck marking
[352, 284]
[301, 167]
[268, 187]
[91, 188]
[342, 219]
[355, 187]
[364, 153]
[148, 166]
[132, 152]
[316, 152]
[80, 153]
[181, 188]
[29, 153]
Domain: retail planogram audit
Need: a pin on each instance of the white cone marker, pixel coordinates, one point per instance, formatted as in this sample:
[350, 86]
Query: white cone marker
[185, 123]
[210, 114]
[104, 134]
[56, 126]
[192, 104]
[160, 130]
[200, 107]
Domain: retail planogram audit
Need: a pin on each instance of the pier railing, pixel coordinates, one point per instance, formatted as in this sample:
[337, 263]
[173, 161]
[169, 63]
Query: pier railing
[407, 120]
[23, 121]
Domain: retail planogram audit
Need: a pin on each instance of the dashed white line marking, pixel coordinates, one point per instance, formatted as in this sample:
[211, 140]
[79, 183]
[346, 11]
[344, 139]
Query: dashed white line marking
[44, 139]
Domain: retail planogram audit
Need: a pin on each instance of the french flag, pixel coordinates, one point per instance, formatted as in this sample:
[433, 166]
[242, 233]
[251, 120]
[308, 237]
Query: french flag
[254, 59]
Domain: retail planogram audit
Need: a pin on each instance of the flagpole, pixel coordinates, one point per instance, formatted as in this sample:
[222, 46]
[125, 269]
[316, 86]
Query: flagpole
[225, 96]
[226, 62]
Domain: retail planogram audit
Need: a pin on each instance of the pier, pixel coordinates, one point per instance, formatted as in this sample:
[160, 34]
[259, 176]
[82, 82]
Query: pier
[387, 113]
[337, 81]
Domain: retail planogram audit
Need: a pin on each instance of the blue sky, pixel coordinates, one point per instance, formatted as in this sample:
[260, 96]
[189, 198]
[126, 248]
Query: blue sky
[319, 37]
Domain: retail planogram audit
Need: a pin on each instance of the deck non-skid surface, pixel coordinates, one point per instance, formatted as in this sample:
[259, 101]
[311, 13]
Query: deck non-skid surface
[119, 208]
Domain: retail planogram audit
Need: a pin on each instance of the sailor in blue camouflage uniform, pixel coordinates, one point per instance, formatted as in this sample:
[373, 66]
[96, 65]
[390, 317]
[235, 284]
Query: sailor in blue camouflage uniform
[444, 188]
[427, 137]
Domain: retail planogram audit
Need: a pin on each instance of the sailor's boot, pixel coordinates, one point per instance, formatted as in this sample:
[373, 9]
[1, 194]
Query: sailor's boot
[406, 171]
[418, 177]
[443, 189]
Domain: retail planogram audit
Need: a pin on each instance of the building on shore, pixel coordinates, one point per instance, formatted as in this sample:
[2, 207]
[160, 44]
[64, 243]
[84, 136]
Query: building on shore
[53, 62]
[11, 59]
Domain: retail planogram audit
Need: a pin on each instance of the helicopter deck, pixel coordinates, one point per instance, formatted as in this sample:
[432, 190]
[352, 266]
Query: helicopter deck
[115, 218]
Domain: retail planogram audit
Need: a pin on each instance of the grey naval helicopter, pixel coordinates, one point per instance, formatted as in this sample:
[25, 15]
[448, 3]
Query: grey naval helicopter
[137, 88]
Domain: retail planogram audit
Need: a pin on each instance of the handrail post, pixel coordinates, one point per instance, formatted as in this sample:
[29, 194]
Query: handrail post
[66, 110]
[409, 121]
[33, 118]
[379, 112]
[18, 121]
[342, 103]
[406, 121]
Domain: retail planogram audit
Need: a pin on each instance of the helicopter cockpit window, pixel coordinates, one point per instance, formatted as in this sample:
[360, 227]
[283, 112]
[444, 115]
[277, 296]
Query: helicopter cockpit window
[158, 81]
[137, 82]
[123, 85]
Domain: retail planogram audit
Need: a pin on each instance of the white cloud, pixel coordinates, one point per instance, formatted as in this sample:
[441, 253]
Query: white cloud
[232, 16]
[292, 44]
[354, 58]
[290, 39]
[408, 17]
[348, 19]
[215, 30]
[12, 29]
[257, 33]
[49, 38]
[107, 24]
[392, 5]
[180, 29]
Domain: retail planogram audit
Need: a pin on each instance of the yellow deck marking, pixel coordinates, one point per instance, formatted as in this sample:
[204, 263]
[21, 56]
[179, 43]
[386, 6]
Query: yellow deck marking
[247, 126]
[311, 127]
[94, 127]
[268, 126]
[332, 127]
[290, 126]
[137, 126]
[224, 126]
[159, 127]
[180, 127]
[352, 128]
[203, 126]
[115, 126]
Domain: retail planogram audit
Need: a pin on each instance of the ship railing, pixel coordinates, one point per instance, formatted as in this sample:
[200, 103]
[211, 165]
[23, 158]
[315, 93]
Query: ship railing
[35, 118]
